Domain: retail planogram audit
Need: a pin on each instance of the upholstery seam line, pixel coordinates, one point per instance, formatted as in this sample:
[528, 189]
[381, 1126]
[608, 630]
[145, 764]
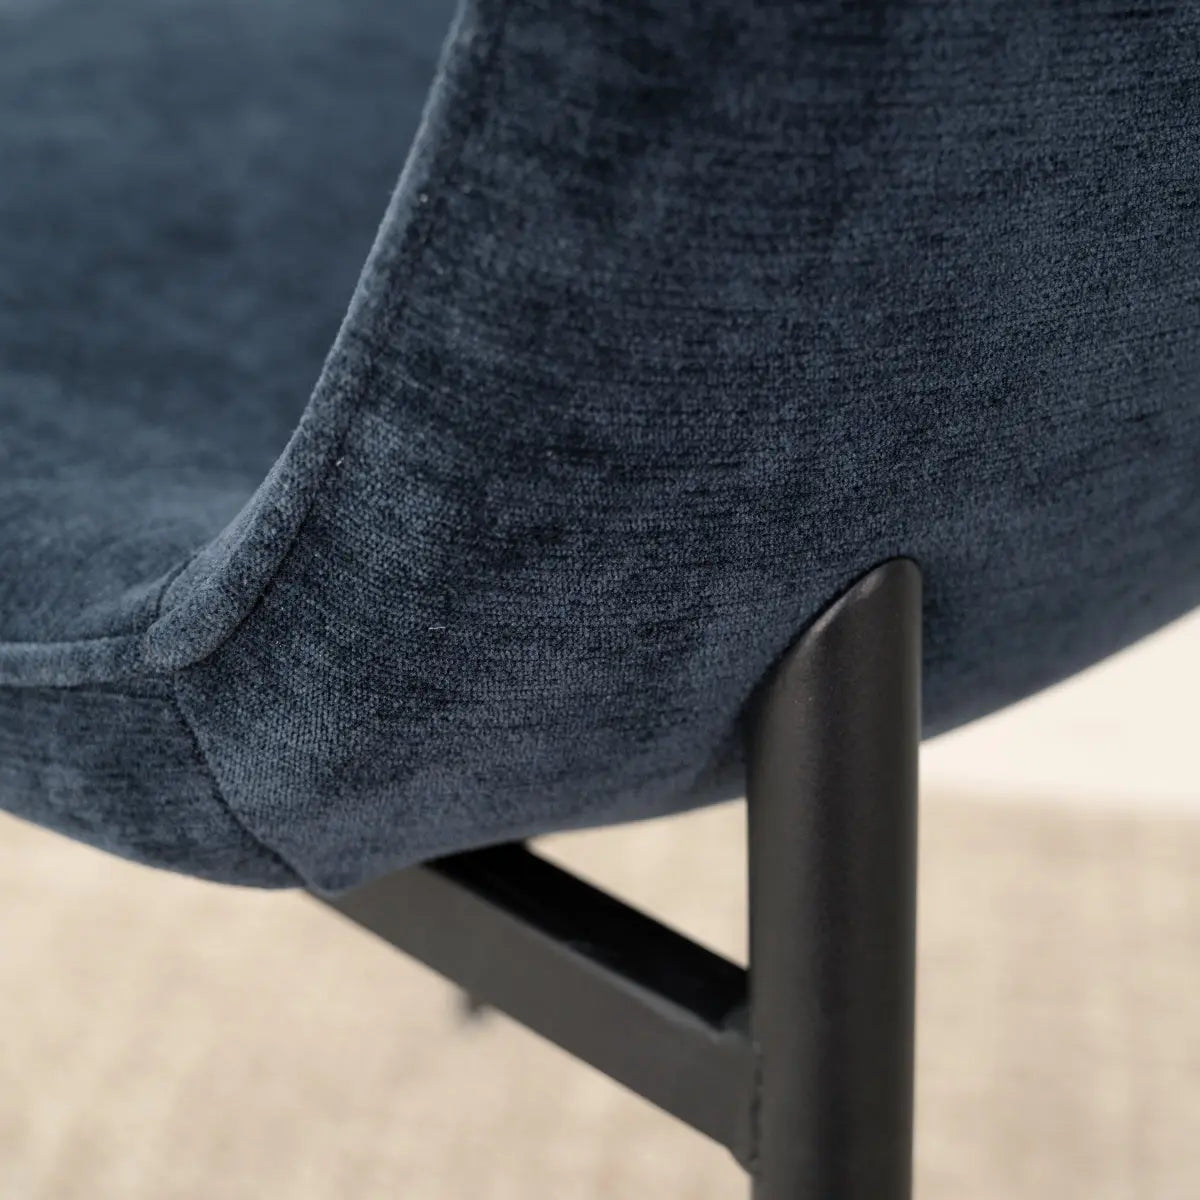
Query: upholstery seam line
[218, 792]
[202, 760]
[108, 671]
[408, 264]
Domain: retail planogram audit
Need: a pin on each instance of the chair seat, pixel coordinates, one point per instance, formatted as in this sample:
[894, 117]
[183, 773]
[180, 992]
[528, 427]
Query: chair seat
[680, 318]
[191, 190]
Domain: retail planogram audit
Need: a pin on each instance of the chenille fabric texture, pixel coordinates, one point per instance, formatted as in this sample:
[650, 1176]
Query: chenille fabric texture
[681, 316]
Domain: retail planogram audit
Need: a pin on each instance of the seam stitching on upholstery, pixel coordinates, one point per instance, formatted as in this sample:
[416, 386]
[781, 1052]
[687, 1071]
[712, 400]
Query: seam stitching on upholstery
[116, 642]
[393, 305]
[218, 794]
[205, 766]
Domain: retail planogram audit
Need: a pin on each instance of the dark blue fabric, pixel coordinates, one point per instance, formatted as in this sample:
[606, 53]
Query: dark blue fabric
[681, 317]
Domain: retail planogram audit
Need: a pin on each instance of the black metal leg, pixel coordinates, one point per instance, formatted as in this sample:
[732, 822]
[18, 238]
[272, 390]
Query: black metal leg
[832, 793]
[803, 1066]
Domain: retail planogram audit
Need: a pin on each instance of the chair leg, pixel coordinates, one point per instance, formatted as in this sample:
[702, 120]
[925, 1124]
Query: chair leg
[802, 1066]
[832, 794]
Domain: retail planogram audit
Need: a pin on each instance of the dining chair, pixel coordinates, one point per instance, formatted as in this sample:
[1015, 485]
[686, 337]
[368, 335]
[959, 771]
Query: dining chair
[425, 427]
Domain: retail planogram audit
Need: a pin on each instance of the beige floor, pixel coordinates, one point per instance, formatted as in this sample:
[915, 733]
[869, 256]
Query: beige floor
[162, 1038]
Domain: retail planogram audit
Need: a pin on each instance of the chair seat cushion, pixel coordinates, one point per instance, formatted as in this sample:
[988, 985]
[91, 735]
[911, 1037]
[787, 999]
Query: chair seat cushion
[680, 318]
[190, 190]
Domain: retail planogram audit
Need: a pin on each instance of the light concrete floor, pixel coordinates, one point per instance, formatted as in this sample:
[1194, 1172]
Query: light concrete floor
[165, 1039]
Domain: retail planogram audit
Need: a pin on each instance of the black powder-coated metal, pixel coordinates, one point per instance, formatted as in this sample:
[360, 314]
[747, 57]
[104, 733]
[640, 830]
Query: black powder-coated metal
[645, 1005]
[804, 1066]
[832, 786]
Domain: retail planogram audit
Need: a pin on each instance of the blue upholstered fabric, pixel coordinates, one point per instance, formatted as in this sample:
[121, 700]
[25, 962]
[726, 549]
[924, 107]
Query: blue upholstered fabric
[680, 317]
